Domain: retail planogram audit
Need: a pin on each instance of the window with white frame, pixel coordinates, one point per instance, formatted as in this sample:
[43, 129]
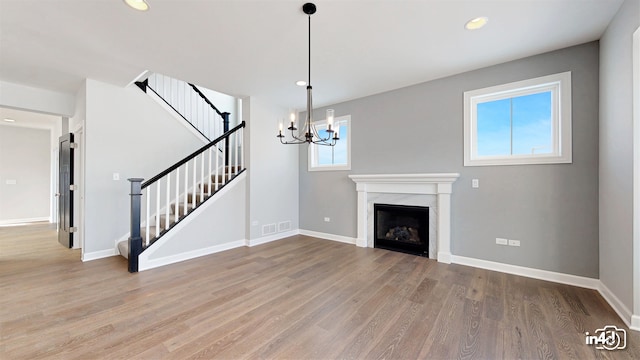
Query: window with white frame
[336, 157]
[524, 122]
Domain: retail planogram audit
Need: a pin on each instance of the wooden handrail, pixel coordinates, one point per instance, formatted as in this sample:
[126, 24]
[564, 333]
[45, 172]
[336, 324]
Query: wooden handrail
[207, 100]
[193, 155]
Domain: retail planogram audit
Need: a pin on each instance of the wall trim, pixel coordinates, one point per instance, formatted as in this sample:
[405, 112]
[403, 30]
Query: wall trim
[580, 281]
[326, 236]
[99, 254]
[270, 238]
[26, 220]
[167, 260]
[635, 320]
[618, 306]
[635, 323]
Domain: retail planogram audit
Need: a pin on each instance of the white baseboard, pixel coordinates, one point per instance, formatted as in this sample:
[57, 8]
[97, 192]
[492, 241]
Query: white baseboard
[270, 238]
[146, 264]
[635, 322]
[616, 304]
[326, 236]
[99, 254]
[25, 220]
[561, 278]
[444, 257]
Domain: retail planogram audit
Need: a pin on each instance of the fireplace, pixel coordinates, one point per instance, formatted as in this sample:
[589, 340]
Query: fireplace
[401, 228]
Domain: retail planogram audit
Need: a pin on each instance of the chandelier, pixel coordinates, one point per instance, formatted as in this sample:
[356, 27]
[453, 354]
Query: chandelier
[311, 134]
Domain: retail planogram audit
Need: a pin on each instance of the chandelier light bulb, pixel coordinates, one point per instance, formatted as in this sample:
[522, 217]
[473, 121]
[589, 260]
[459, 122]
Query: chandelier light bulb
[329, 119]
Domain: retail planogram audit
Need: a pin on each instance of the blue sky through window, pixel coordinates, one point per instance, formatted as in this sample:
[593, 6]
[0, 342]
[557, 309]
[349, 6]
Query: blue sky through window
[333, 155]
[515, 126]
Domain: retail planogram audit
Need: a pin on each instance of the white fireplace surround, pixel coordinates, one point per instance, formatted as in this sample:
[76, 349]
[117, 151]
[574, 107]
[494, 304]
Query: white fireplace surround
[439, 184]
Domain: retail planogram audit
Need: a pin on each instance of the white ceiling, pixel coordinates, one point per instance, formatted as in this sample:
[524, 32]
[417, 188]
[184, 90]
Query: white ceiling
[29, 119]
[259, 48]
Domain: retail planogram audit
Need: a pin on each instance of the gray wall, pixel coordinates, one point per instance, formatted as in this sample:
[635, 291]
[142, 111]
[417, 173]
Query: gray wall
[551, 209]
[616, 153]
[25, 156]
[272, 169]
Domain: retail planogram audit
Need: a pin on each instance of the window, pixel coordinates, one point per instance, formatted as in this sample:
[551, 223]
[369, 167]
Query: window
[525, 122]
[336, 157]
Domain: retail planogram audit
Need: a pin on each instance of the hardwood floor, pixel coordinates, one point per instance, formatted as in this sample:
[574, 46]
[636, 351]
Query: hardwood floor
[297, 298]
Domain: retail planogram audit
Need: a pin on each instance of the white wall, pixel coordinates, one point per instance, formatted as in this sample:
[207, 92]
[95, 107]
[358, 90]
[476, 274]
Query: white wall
[214, 225]
[616, 154]
[224, 103]
[272, 167]
[35, 99]
[128, 133]
[25, 173]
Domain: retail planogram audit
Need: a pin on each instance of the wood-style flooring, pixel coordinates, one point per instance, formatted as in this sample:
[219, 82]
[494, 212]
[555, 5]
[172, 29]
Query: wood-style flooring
[296, 298]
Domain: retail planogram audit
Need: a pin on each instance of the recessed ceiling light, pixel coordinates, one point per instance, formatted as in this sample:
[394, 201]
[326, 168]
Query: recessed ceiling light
[301, 83]
[477, 23]
[9, 120]
[138, 4]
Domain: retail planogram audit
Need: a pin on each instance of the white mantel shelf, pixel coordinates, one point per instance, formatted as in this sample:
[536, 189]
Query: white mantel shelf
[438, 184]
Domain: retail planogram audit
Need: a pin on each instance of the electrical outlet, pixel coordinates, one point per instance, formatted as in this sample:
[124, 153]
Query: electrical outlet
[514, 242]
[254, 223]
[116, 176]
[326, 219]
[501, 241]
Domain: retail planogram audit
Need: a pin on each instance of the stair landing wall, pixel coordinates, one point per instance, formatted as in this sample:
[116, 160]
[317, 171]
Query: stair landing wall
[217, 225]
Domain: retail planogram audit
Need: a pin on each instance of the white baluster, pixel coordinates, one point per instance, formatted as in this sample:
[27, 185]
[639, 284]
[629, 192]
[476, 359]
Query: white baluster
[157, 207]
[168, 202]
[209, 175]
[186, 184]
[235, 147]
[202, 178]
[242, 148]
[217, 153]
[148, 215]
[194, 189]
[176, 211]
[224, 161]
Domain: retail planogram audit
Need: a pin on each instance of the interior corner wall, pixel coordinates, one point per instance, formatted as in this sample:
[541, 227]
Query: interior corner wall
[551, 209]
[616, 153]
[272, 168]
[128, 133]
[25, 174]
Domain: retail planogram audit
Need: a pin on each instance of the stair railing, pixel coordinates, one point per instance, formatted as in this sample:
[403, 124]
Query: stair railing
[188, 102]
[174, 193]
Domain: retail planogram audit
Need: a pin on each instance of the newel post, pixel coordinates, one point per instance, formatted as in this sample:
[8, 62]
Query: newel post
[135, 240]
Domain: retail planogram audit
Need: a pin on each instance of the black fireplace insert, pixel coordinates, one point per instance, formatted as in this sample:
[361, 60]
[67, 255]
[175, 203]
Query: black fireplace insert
[401, 228]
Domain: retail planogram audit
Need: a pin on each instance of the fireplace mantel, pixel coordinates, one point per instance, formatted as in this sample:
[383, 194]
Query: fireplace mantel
[439, 184]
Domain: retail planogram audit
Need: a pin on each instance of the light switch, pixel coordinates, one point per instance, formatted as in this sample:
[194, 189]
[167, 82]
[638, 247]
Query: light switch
[116, 176]
[475, 183]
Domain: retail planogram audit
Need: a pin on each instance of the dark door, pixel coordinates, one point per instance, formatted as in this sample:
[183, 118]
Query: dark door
[65, 200]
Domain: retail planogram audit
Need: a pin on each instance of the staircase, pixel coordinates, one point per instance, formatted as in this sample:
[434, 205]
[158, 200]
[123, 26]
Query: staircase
[189, 103]
[162, 202]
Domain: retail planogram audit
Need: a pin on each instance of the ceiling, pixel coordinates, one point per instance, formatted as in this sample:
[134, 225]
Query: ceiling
[29, 119]
[259, 48]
